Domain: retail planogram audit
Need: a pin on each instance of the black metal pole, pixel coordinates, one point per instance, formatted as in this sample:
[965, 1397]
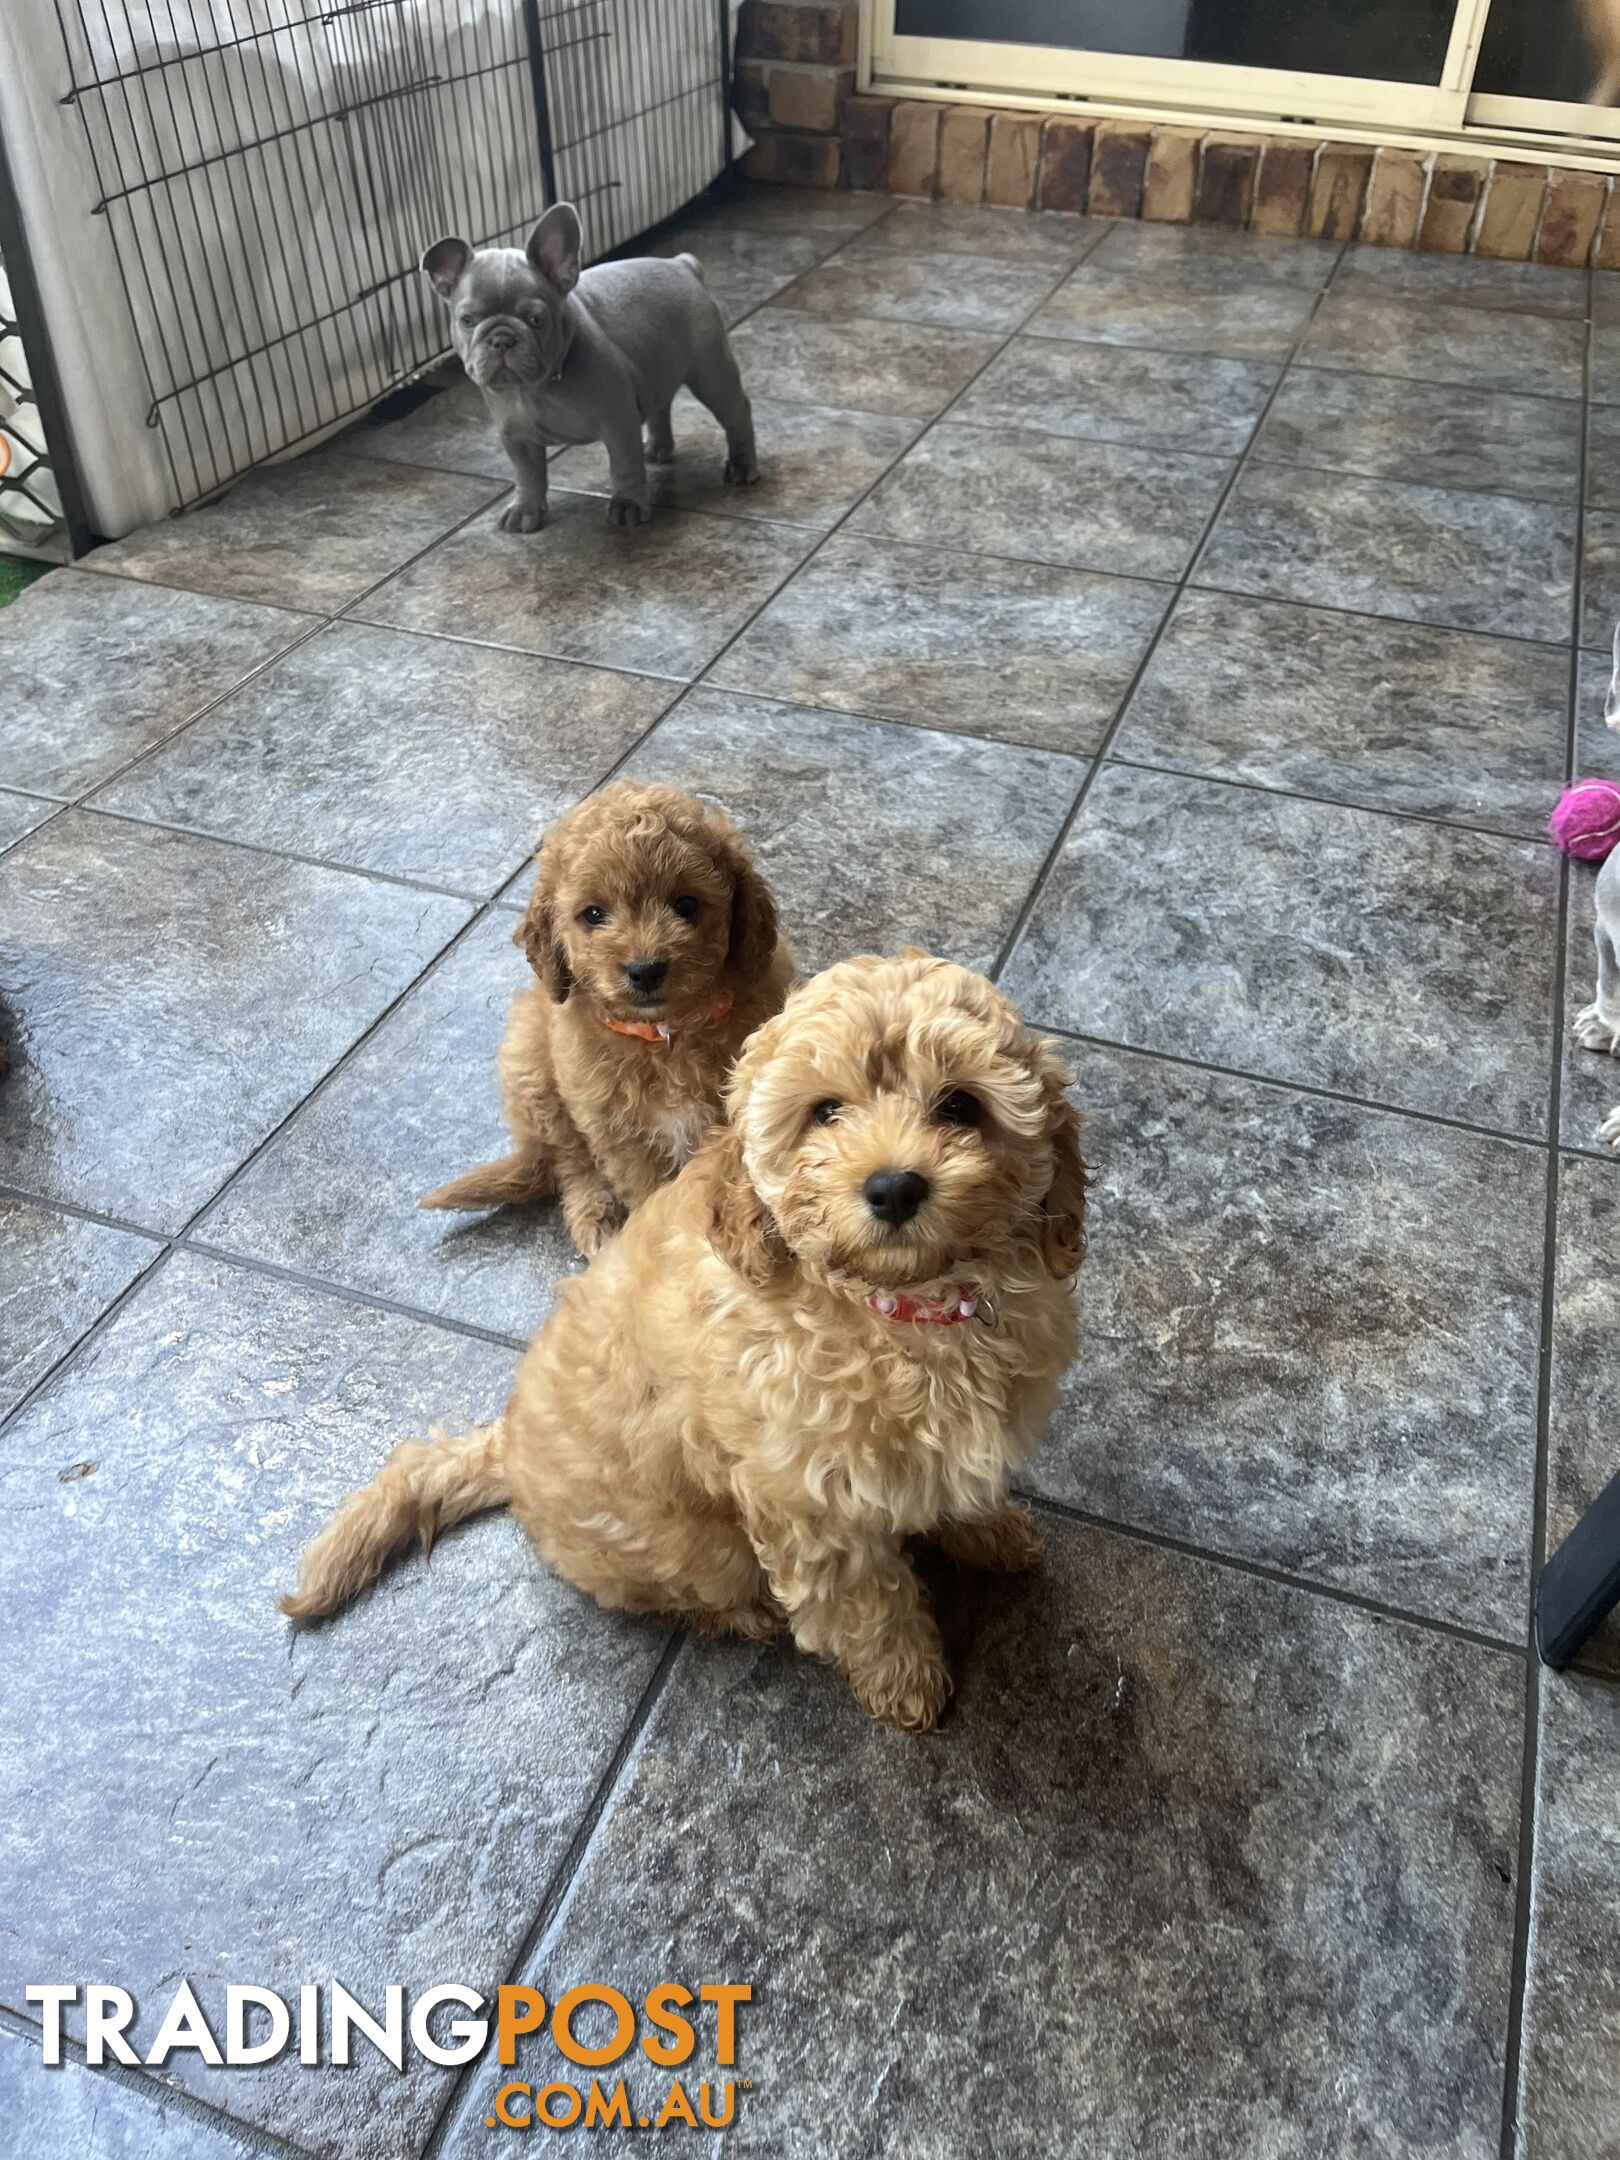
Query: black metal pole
[1580, 1584]
[727, 132]
[542, 101]
[42, 375]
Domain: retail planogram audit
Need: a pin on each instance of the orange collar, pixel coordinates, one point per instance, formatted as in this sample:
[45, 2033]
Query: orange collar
[951, 1310]
[665, 1031]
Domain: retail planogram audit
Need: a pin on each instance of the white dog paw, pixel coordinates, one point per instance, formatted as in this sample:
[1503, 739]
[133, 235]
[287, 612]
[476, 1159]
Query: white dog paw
[1593, 1032]
[660, 453]
[625, 510]
[1609, 1130]
[521, 517]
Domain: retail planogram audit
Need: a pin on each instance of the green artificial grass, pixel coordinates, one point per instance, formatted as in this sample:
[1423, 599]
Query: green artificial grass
[16, 572]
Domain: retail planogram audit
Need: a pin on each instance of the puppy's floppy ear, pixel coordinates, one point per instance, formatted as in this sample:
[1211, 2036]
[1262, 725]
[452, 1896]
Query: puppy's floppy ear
[443, 264]
[537, 933]
[753, 922]
[553, 247]
[741, 1228]
[1063, 1211]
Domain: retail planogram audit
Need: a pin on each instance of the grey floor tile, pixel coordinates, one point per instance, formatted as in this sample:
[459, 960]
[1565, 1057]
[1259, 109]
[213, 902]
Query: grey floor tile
[744, 265]
[1591, 1081]
[1569, 2091]
[312, 534]
[1603, 355]
[1023, 652]
[1186, 1872]
[96, 670]
[383, 1798]
[1048, 498]
[1597, 746]
[1437, 341]
[1024, 236]
[58, 1275]
[1382, 957]
[1600, 578]
[73, 2113]
[20, 814]
[662, 597]
[1461, 280]
[1416, 431]
[335, 1194]
[815, 464]
[1367, 1420]
[1582, 1448]
[1244, 316]
[831, 215]
[872, 837]
[1391, 715]
[450, 431]
[172, 998]
[1217, 256]
[1117, 393]
[1437, 555]
[1603, 458]
[414, 756]
[906, 369]
[952, 292]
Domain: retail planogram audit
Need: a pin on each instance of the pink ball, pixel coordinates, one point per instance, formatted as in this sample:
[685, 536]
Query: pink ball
[1586, 822]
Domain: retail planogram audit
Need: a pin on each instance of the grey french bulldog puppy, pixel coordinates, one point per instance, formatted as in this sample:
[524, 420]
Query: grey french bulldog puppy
[1597, 1026]
[570, 356]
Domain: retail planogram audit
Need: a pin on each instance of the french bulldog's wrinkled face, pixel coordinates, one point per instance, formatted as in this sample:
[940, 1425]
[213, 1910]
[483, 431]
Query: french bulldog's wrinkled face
[507, 319]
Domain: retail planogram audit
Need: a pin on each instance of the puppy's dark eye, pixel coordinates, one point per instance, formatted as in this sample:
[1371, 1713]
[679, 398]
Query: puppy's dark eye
[959, 1108]
[685, 907]
[825, 1111]
[593, 917]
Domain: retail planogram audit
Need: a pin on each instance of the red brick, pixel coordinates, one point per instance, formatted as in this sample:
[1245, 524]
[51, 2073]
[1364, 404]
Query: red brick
[1570, 218]
[964, 138]
[1455, 187]
[1065, 164]
[1338, 187]
[1507, 224]
[1170, 184]
[1226, 179]
[913, 149]
[1282, 187]
[819, 30]
[1014, 158]
[1394, 205]
[866, 140]
[809, 98]
[1119, 155]
[795, 160]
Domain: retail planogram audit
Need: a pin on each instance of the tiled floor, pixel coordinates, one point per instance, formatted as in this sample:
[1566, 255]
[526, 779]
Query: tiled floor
[1177, 623]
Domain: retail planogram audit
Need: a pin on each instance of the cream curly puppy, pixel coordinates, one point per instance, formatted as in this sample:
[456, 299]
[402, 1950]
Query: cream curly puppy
[840, 1327]
[655, 947]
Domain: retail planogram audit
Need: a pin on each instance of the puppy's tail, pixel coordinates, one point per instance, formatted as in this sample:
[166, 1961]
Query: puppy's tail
[511, 1182]
[419, 1491]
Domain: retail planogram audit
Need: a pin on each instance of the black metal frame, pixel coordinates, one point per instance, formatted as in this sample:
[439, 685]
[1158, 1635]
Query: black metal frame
[267, 236]
[42, 389]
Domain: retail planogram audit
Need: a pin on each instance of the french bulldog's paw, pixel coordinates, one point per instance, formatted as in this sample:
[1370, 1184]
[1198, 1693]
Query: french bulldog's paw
[625, 510]
[742, 468]
[660, 453]
[592, 1219]
[522, 517]
[1609, 1130]
[909, 1688]
[1594, 1032]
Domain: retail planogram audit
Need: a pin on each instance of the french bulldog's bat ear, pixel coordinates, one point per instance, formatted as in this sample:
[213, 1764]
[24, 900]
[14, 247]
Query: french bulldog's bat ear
[1611, 704]
[443, 264]
[553, 246]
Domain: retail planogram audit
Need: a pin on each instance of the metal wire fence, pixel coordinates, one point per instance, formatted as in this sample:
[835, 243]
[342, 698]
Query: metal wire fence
[271, 171]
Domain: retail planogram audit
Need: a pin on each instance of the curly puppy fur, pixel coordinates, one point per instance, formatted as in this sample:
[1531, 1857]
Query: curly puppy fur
[716, 1423]
[634, 876]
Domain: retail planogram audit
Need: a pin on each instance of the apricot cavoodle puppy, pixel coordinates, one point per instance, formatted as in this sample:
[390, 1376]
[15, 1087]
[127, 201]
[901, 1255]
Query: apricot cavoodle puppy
[841, 1326]
[655, 943]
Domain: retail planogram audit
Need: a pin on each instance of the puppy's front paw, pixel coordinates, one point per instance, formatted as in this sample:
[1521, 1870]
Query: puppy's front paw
[522, 517]
[625, 510]
[660, 453]
[908, 1687]
[1593, 1032]
[742, 468]
[1609, 1130]
[1008, 1541]
[592, 1221]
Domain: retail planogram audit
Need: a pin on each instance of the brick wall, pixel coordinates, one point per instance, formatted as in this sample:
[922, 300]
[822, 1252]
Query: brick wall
[795, 78]
[795, 83]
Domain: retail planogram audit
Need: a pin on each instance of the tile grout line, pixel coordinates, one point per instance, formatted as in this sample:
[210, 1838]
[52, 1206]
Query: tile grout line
[563, 1876]
[1519, 1975]
[1265, 1571]
[158, 2091]
[1101, 755]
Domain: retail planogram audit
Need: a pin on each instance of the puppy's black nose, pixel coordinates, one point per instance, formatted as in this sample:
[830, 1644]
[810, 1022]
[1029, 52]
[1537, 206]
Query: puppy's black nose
[646, 975]
[894, 1196]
